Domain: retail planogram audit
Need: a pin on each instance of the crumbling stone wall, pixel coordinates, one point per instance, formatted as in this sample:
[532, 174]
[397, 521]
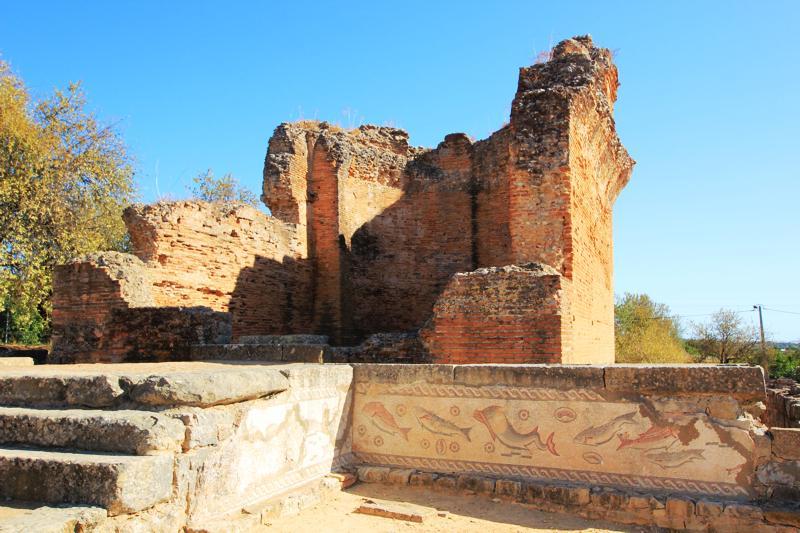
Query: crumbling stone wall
[218, 256]
[783, 403]
[104, 310]
[368, 232]
[389, 225]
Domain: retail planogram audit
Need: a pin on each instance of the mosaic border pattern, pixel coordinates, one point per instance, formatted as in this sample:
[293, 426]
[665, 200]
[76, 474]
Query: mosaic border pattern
[555, 474]
[491, 392]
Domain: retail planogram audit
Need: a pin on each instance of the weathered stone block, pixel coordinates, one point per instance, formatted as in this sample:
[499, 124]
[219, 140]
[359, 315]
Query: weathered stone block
[786, 473]
[422, 479]
[508, 488]
[740, 510]
[399, 476]
[532, 493]
[399, 373]
[54, 520]
[609, 498]
[283, 340]
[317, 376]
[563, 377]
[397, 510]
[119, 483]
[203, 389]
[741, 382]
[236, 352]
[680, 512]
[444, 482]
[301, 353]
[17, 388]
[93, 391]
[133, 432]
[709, 509]
[373, 474]
[786, 443]
[205, 426]
[478, 484]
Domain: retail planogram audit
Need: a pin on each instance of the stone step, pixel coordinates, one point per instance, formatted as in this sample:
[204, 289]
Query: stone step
[123, 431]
[26, 517]
[287, 353]
[197, 384]
[283, 339]
[118, 483]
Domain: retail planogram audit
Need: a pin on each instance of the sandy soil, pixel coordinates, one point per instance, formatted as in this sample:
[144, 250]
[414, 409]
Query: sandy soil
[462, 513]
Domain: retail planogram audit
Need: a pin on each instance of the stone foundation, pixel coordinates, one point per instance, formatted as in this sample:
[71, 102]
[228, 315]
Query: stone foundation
[673, 446]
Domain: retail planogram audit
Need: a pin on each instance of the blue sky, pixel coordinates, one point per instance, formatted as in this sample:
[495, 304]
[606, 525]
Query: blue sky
[709, 107]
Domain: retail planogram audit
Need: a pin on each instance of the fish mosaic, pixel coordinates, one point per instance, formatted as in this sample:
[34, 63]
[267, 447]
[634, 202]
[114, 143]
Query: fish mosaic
[653, 434]
[643, 443]
[667, 459]
[382, 419]
[496, 421]
[597, 435]
[440, 426]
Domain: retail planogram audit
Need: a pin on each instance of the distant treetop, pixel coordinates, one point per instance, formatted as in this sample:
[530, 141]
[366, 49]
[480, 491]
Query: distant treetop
[209, 188]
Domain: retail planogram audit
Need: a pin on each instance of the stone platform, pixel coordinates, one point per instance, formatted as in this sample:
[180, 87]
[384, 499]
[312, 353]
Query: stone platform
[162, 446]
[199, 446]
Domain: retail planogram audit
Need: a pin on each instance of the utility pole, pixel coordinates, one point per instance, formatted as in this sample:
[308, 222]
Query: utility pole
[764, 361]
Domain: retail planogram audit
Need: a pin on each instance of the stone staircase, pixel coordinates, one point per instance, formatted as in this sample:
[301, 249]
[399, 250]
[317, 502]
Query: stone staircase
[121, 460]
[110, 438]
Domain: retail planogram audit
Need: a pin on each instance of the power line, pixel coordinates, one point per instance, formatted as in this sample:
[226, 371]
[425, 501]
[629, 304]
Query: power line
[779, 311]
[672, 317]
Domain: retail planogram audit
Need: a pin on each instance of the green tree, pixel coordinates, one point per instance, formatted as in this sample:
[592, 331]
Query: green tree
[786, 363]
[209, 188]
[725, 338]
[64, 180]
[645, 332]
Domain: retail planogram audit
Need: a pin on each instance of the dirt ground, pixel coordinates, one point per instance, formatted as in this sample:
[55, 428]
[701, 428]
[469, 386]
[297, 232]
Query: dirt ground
[462, 513]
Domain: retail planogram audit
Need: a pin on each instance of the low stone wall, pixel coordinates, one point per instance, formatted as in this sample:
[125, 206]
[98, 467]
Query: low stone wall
[666, 429]
[196, 443]
[783, 403]
[673, 446]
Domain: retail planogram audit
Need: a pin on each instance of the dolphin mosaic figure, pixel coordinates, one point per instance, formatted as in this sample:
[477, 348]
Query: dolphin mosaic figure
[500, 428]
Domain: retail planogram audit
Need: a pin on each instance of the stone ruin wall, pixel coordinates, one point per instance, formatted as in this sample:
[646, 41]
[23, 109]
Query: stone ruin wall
[193, 264]
[223, 446]
[783, 403]
[367, 232]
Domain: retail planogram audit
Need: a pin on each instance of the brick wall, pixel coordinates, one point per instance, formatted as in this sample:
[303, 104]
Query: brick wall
[225, 258]
[85, 293]
[369, 231]
[104, 311]
[501, 315]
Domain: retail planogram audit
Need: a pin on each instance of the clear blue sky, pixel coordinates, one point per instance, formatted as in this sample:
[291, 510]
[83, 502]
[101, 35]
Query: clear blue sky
[709, 107]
